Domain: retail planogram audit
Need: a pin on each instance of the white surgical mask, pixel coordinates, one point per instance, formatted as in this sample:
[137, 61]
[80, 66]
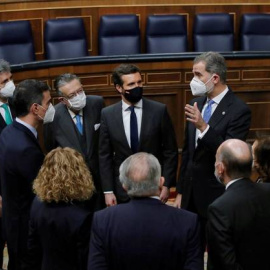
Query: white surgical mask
[198, 88]
[78, 102]
[8, 90]
[49, 115]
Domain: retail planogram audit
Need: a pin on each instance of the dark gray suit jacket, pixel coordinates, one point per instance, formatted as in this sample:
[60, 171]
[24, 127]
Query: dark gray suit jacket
[197, 182]
[239, 228]
[157, 137]
[63, 132]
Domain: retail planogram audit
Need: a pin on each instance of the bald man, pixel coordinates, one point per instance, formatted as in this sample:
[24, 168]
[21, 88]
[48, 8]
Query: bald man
[238, 229]
[144, 233]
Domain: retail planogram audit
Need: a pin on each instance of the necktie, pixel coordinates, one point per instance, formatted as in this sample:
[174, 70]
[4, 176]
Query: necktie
[134, 141]
[79, 124]
[7, 114]
[208, 111]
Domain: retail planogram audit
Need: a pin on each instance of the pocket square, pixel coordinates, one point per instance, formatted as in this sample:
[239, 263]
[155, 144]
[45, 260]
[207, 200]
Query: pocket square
[96, 126]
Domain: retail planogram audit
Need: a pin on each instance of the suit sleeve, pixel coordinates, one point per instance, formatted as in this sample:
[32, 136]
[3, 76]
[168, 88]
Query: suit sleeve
[169, 150]
[194, 256]
[221, 252]
[83, 242]
[237, 128]
[49, 140]
[34, 255]
[105, 156]
[97, 259]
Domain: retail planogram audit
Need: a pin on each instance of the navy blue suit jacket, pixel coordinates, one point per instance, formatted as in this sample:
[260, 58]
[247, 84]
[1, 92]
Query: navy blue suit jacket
[58, 236]
[145, 234]
[20, 160]
[197, 182]
[157, 137]
[2, 120]
[239, 228]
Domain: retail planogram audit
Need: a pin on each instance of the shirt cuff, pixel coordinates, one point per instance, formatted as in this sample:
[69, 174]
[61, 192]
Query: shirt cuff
[108, 192]
[200, 136]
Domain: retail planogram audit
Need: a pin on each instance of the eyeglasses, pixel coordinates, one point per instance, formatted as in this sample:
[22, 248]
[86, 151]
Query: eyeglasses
[78, 92]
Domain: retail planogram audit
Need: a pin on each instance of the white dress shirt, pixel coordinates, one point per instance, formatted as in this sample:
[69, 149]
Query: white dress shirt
[217, 100]
[126, 117]
[73, 116]
[32, 129]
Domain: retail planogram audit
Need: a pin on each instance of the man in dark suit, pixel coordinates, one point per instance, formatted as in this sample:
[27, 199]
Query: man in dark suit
[7, 88]
[211, 119]
[144, 233]
[20, 159]
[238, 229]
[131, 125]
[76, 125]
[7, 114]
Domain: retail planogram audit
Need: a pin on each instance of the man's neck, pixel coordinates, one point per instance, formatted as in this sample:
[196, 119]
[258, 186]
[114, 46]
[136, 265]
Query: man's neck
[29, 120]
[218, 90]
[3, 99]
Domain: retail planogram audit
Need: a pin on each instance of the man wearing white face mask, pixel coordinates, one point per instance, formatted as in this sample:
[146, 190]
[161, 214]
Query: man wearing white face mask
[76, 125]
[6, 117]
[7, 88]
[21, 158]
[214, 117]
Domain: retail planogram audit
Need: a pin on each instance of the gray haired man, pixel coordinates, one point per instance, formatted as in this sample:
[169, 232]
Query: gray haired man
[144, 233]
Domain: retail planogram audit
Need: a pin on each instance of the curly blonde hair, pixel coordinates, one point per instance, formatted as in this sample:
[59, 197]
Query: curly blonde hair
[64, 176]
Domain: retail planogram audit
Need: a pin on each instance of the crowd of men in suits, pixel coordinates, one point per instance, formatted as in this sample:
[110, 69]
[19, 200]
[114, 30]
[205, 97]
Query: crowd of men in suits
[130, 148]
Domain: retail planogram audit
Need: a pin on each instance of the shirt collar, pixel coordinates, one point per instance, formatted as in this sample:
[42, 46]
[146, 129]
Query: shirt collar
[32, 129]
[231, 182]
[73, 115]
[219, 97]
[125, 106]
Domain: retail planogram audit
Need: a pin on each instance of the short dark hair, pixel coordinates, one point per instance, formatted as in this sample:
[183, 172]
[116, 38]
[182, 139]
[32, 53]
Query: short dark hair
[27, 93]
[262, 156]
[63, 79]
[235, 167]
[123, 69]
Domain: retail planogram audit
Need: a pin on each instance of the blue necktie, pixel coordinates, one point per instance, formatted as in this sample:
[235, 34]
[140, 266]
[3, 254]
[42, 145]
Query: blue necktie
[134, 141]
[208, 111]
[79, 124]
[8, 117]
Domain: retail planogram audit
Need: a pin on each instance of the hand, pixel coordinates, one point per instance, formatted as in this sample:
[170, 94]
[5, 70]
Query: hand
[194, 116]
[177, 201]
[110, 199]
[164, 195]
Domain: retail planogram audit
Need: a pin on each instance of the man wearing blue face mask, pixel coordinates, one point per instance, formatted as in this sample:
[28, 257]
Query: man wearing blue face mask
[76, 125]
[214, 117]
[21, 158]
[135, 124]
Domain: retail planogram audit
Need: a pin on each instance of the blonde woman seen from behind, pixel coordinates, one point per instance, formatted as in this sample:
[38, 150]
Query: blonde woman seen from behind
[59, 226]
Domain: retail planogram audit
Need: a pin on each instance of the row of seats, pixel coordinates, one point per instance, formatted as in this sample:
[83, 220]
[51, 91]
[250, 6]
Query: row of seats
[120, 35]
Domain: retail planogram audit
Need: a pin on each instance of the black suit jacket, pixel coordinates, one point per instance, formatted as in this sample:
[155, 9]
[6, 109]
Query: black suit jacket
[58, 236]
[20, 160]
[157, 137]
[231, 119]
[145, 234]
[2, 120]
[62, 132]
[239, 228]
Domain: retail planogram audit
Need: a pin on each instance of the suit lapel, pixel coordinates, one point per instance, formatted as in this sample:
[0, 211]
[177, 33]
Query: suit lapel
[118, 119]
[200, 103]
[66, 125]
[89, 116]
[146, 119]
[221, 110]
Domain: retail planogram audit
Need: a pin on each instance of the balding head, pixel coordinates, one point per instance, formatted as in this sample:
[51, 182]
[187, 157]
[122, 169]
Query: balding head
[140, 175]
[236, 157]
